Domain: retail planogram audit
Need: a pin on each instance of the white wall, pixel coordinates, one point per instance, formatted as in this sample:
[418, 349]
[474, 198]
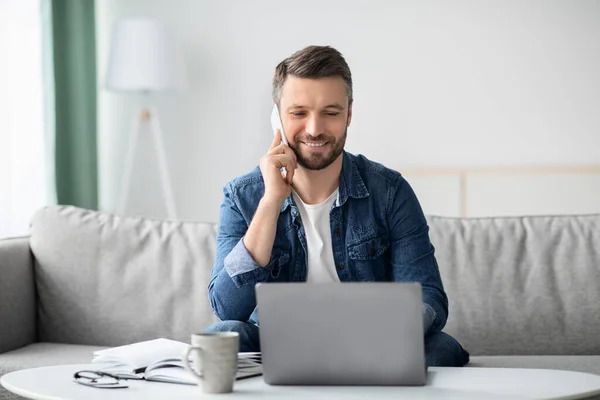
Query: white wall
[437, 83]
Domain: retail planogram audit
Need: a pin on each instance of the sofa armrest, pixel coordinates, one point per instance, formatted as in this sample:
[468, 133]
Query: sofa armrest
[17, 294]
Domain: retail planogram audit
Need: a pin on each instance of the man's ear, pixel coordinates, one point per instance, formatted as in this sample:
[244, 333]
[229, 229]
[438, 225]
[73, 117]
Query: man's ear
[349, 116]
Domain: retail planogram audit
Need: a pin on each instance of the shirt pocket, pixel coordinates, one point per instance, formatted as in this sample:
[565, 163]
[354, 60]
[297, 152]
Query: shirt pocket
[369, 258]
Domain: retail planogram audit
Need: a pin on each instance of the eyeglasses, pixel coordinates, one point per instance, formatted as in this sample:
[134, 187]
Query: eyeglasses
[98, 379]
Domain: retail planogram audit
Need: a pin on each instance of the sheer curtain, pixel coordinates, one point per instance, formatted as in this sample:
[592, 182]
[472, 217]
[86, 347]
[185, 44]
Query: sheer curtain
[25, 135]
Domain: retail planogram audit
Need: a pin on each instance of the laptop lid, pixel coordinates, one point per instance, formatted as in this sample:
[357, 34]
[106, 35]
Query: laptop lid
[341, 333]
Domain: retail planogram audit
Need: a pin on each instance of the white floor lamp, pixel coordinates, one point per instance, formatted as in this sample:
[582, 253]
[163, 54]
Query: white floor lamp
[143, 59]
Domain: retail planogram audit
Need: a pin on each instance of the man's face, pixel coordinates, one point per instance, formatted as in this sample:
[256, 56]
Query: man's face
[315, 116]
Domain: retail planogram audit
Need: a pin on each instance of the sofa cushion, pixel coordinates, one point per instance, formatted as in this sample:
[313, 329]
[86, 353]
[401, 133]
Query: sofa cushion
[521, 286]
[109, 280]
[42, 355]
[46, 354]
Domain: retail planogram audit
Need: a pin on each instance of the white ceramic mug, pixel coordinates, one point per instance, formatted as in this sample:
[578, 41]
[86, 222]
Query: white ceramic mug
[215, 357]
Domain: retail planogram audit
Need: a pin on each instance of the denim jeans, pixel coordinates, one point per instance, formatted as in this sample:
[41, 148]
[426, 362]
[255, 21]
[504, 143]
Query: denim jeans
[441, 349]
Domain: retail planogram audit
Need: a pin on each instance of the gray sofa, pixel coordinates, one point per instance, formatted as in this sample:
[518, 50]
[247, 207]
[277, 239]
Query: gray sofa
[524, 292]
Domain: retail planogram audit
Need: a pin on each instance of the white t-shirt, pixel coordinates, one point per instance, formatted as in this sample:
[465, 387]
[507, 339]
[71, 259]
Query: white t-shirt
[315, 220]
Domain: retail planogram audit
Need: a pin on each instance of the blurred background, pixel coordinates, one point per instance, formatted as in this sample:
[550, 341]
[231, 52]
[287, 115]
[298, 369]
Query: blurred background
[487, 107]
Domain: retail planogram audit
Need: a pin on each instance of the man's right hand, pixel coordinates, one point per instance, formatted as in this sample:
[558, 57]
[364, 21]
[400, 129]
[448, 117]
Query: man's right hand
[260, 236]
[277, 185]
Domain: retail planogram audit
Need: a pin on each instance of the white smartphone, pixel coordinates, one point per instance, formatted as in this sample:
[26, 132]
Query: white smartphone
[277, 124]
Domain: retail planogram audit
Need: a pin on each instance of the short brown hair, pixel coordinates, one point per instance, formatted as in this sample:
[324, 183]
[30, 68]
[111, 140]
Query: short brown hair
[312, 62]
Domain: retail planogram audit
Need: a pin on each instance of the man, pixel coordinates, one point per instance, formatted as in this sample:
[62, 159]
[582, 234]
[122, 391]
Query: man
[331, 217]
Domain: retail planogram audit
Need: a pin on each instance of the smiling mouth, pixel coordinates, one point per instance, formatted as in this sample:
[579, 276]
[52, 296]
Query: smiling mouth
[317, 144]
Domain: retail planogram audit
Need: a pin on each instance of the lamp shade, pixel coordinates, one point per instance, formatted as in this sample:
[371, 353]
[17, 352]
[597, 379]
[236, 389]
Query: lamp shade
[144, 57]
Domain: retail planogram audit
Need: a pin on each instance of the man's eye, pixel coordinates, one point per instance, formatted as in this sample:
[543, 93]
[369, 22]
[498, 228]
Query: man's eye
[333, 114]
[298, 114]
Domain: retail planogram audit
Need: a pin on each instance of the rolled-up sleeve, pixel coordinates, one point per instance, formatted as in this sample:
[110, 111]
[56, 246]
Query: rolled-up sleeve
[235, 273]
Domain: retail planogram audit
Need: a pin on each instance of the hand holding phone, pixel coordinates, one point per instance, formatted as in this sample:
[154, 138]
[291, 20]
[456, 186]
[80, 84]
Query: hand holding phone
[279, 164]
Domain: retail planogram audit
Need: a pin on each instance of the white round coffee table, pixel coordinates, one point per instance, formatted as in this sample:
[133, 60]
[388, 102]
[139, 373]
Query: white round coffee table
[55, 383]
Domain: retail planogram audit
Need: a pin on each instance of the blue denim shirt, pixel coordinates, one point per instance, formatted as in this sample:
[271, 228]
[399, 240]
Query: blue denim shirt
[378, 232]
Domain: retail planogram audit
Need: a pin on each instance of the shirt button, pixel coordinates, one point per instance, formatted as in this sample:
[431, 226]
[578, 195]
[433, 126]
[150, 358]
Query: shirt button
[337, 231]
[340, 267]
[372, 252]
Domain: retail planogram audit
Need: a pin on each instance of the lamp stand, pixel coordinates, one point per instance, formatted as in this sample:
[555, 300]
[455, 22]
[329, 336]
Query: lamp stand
[148, 116]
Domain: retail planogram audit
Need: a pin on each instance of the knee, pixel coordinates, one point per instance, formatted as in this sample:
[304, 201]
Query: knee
[229, 326]
[443, 350]
[249, 337]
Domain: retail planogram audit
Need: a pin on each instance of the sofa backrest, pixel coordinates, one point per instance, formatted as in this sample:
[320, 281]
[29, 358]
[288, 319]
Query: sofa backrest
[109, 280]
[527, 285]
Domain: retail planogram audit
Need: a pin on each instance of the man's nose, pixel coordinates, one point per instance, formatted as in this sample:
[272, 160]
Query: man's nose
[314, 126]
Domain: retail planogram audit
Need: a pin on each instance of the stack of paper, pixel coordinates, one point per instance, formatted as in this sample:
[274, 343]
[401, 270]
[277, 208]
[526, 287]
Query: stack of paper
[160, 360]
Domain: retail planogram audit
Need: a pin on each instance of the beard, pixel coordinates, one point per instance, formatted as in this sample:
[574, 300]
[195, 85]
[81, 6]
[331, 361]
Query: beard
[317, 160]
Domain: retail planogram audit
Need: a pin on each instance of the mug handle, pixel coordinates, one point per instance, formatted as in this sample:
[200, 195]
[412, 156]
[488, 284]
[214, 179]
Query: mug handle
[186, 362]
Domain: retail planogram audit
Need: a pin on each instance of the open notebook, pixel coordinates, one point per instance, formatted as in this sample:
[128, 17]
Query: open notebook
[160, 360]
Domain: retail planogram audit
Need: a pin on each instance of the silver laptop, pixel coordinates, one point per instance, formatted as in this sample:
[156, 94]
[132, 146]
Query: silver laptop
[341, 333]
